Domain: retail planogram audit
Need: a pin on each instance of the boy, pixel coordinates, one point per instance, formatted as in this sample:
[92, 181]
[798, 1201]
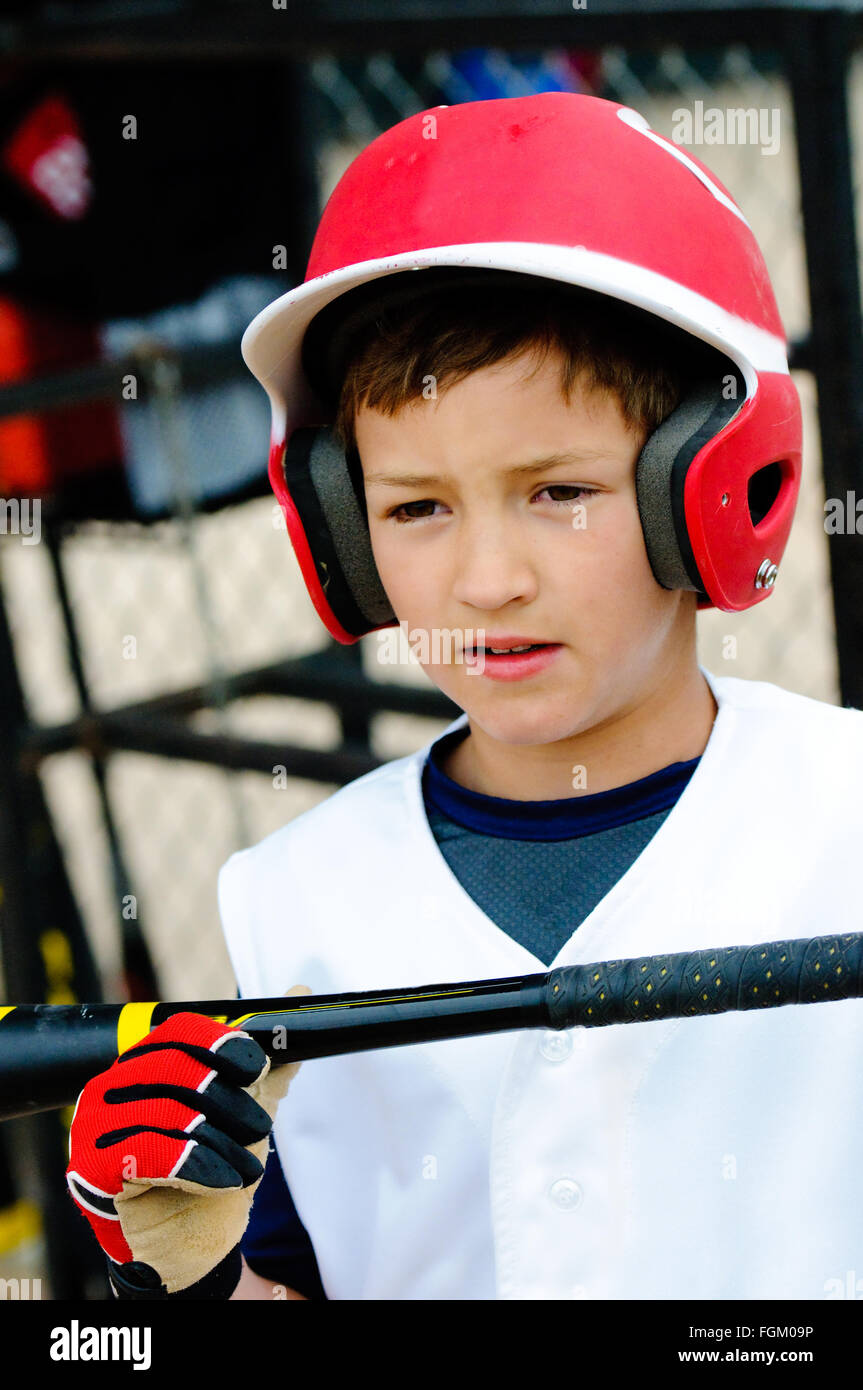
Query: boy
[592, 318]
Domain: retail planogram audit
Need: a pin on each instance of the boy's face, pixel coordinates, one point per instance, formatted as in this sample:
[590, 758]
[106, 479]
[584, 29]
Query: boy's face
[489, 552]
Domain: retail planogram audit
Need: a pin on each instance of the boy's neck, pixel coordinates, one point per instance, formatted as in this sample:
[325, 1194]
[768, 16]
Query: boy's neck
[672, 727]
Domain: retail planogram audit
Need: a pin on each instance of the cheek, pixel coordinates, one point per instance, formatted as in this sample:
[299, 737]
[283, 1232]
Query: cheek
[401, 568]
[606, 576]
[381, 548]
[608, 555]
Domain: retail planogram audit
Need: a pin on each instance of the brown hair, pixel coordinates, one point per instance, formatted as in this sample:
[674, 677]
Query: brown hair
[646, 362]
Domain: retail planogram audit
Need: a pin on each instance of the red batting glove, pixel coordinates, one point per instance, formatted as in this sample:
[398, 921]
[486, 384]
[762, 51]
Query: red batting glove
[170, 1112]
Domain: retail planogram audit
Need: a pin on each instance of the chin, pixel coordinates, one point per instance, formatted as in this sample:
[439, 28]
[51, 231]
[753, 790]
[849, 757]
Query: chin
[525, 727]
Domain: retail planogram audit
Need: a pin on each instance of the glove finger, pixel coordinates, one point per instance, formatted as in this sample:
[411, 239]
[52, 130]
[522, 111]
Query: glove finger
[139, 1153]
[216, 1161]
[204, 1168]
[238, 1059]
[203, 1156]
[160, 1155]
[229, 1108]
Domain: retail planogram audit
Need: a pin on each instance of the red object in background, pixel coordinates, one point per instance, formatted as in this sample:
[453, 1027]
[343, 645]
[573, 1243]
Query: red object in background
[47, 156]
[37, 452]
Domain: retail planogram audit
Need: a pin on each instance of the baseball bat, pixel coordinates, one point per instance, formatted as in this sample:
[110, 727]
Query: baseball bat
[49, 1052]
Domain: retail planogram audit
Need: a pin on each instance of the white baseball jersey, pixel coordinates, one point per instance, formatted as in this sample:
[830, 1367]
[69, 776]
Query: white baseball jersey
[713, 1158]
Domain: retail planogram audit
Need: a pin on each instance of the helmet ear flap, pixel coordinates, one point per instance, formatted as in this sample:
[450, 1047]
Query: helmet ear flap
[660, 477]
[325, 486]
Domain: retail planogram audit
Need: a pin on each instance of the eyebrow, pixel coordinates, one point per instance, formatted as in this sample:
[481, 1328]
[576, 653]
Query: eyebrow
[573, 456]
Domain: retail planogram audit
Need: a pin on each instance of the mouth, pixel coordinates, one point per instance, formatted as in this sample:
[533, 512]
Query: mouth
[518, 662]
[512, 647]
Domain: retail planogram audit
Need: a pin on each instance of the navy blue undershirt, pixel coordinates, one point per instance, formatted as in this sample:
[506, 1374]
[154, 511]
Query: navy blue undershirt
[564, 819]
[537, 869]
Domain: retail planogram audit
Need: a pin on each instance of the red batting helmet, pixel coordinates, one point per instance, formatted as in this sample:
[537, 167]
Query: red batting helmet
[570, 188]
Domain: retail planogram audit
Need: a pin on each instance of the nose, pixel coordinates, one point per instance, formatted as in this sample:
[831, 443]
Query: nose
[493, 564]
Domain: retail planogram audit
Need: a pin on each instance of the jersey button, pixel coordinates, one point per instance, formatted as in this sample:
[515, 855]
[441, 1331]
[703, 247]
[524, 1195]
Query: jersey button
[556, 1047]
[566, 1194]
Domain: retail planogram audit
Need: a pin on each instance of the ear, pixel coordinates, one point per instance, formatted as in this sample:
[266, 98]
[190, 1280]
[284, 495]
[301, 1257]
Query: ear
[660, 478]
[326, 488]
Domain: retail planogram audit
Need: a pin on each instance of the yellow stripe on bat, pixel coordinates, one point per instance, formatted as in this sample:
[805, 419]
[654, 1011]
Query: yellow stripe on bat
[133, 1024]
[6, 1009]
[354, 1004]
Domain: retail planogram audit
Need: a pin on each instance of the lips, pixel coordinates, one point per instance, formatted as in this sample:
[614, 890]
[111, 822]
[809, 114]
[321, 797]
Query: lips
[511, 665]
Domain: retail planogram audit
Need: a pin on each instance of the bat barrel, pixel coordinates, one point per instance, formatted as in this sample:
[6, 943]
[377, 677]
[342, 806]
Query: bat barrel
[49, 1052]
[329, 1026]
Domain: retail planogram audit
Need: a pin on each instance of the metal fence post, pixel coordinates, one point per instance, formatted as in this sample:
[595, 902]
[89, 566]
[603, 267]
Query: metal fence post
[46, 958]
[818, 47]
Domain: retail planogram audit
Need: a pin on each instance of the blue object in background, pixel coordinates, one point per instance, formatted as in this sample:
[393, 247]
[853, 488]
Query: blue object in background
[491, 73]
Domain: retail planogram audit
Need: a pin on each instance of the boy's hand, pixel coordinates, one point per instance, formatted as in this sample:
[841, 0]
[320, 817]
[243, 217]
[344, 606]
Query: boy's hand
[167, 1148]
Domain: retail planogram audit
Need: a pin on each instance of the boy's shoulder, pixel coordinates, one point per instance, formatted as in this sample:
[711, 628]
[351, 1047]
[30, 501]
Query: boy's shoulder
[381, 792]
[337, 810]
[788, 746]
[771, 699]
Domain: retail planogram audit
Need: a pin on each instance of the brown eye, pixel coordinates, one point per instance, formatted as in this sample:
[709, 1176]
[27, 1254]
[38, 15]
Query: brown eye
[427, 502]
[567, 487]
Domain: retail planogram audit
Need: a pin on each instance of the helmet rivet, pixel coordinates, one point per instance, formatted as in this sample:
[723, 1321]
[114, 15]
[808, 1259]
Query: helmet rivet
[766, 576]
[725, 499]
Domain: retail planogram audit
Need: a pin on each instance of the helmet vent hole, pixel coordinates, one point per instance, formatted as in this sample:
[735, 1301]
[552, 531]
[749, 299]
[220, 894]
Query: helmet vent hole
[763, 490]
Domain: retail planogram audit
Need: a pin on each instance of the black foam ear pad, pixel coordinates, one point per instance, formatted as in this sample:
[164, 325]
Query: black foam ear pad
[328, 496]
[660, 477]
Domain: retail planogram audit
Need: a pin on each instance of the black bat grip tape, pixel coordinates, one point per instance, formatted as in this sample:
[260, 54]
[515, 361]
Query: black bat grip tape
[706, 982]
